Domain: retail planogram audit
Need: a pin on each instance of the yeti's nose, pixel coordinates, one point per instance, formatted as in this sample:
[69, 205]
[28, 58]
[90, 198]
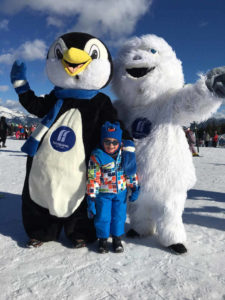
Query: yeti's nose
[137, 57]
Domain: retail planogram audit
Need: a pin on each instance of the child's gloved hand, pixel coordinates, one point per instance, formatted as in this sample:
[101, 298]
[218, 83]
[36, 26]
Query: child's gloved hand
[18, 77]
[91, 211]
[133, 197]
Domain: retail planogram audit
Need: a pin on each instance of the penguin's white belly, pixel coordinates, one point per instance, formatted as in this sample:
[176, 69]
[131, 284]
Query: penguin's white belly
[57, 178]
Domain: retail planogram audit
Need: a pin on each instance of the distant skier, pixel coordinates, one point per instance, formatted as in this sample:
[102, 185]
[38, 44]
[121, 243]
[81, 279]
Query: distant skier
[215, 139]
[191, 141]
[206, 138]
[3, 131]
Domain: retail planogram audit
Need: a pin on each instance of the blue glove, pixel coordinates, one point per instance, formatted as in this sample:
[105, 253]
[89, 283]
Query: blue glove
[18, 77]
[129, 158]
[91, 210]
[141, 128]
[133, 197]
[215, 81]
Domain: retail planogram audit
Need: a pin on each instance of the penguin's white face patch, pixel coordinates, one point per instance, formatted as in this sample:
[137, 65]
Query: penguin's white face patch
[63, 139]
[96, 49]
[57, 49]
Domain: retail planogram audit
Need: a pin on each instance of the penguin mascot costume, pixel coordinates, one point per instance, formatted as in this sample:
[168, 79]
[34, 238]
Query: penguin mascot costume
[79, 65]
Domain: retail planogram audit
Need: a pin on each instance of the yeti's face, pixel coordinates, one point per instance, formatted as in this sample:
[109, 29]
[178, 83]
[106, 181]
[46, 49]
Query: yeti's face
[145, 69]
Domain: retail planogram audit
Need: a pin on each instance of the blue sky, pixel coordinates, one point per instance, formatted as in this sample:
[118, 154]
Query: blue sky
[194, 28]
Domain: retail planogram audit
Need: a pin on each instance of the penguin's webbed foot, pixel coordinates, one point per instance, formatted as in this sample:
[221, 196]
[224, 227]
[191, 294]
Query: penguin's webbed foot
[178, 248]
[79, 243]
[132, 233]
[33, 243]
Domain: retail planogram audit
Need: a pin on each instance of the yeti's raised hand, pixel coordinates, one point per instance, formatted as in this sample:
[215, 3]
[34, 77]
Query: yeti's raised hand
[216, 81]
[18, 77]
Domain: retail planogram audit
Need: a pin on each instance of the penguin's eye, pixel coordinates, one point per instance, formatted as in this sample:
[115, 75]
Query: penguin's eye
[96, 49]
[58, 52]
[153, 51]
[94, 52]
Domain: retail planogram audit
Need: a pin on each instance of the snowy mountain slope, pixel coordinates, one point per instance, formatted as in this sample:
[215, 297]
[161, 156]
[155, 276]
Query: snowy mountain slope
[9, 113]
[144, 271]
[15, 116]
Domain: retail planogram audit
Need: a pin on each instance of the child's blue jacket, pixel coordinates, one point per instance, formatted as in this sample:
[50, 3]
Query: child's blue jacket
[106, 175]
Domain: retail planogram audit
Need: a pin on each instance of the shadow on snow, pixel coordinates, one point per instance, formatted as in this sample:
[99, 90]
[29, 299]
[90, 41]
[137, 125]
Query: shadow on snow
[11, 223]
[10, 151]
[202, 215]
[11, 218]
[206, 195]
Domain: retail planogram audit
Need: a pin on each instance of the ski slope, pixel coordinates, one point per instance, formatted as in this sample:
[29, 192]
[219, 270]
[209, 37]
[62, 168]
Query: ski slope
[144, 271]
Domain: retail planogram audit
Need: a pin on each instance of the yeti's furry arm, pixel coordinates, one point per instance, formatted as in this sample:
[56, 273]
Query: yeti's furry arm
[194, 102]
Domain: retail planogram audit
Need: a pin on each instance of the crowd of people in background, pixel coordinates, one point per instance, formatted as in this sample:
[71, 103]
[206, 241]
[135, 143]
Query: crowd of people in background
[208, 141]
[19, 131]
[195, 141]
[22, 132]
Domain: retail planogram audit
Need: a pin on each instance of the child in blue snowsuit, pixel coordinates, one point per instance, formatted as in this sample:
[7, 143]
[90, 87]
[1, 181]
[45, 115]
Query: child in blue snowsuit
[107, 187]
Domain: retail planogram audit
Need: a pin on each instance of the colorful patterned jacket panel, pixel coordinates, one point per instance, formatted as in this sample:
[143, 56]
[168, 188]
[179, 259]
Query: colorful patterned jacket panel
[105, 175]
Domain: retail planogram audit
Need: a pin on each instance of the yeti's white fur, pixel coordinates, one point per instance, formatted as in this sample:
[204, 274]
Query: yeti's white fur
[164, 161]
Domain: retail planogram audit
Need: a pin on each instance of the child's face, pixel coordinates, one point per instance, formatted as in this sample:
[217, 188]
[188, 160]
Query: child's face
[111, 145]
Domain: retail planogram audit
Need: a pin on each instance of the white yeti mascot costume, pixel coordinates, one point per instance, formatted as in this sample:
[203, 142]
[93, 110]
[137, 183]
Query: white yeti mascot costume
[155, 104]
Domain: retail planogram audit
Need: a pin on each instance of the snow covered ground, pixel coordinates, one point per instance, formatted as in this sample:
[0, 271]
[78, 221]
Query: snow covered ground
[144, 271]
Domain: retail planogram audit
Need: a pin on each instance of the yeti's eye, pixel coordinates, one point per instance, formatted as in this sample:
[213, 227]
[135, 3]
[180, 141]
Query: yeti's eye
[94, 52]
[153, 51]
[58, 51]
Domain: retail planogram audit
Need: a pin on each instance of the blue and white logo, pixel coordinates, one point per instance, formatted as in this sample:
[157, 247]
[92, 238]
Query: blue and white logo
[141, 128]
[63, 139]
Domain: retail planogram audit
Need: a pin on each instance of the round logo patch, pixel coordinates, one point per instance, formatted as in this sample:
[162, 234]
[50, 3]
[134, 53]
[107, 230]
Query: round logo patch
[141, 128]
[63, 139]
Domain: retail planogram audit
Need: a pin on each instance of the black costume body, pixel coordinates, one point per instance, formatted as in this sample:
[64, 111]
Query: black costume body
[39, 222]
